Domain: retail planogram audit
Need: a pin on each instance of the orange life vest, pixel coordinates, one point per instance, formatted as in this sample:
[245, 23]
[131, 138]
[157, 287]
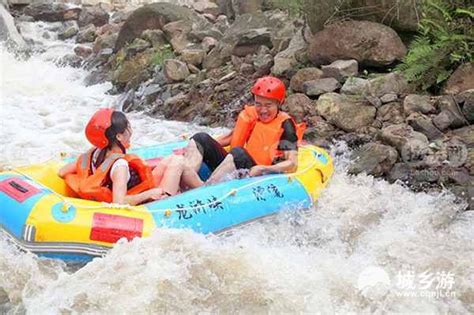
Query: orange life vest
[260, 139]
[93, 185]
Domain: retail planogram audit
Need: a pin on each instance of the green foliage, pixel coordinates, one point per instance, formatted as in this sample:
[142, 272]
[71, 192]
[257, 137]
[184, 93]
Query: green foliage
[162, 53]
[445, 40]
[293, 7]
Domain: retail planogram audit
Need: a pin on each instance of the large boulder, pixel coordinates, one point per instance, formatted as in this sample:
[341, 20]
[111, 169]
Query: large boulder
[93, 15]
[371, 44]
[410, 144]
[9, 32]
[462, 79]
[52, 12]
[133, 71]
[155, 16]
[400, 15]
[349, 114]
[374, 159]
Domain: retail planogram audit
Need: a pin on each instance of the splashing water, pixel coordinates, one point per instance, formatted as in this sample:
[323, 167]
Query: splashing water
[308, 261]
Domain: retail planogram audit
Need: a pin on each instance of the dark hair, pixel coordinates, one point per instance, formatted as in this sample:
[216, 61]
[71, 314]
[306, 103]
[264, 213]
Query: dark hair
[119, 124]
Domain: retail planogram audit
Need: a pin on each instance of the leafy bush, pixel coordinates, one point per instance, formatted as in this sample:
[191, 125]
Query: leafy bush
[445, 40]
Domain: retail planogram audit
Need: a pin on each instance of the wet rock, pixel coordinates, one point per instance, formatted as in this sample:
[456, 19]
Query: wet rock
[465, 193]
[461, 80]
[371, 44]
[86, 35]
[391, 83]
[70, 60]
[126, 101]
[355, 86]
[175, 106]
[389, 98]
[9, 33]
[133, 71]
[104, 42]
[175, 70]
[83, 51]
[374, 159]
[95, 77]
[155, 37]
[138, 45]
[93, 15]
[400, 172]
[193, 56]
[410, 144]
[69, 31]
[320, 86]
[300, 106]
[423, 124]
[466, 101]
[344, 112]
[151, 92]
[287, 59]
[52, 12]
[341, 69]
[303, 75]
[155, 16]
[319, 128]
[418, 103]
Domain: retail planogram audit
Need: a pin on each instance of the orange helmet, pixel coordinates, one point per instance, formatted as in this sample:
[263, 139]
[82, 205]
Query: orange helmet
[270, 87]
[96, 127]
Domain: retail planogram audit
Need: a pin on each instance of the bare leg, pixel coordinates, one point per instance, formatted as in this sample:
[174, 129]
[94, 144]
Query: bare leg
[193, 156]
[190, 179]
[160, 169]
[225, 168]
[172, 175]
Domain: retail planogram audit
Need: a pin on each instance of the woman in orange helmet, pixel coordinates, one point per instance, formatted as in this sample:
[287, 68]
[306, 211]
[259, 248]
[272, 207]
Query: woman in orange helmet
[107, 173]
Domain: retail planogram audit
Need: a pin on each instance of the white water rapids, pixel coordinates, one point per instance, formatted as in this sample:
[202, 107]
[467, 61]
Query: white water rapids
[362, 231]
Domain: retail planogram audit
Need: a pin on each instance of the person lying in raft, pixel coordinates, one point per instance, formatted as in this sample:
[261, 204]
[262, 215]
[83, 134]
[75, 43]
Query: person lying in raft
[264, 140]
[107, 173]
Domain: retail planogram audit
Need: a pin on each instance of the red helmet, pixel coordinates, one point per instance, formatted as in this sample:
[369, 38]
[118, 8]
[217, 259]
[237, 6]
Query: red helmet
[97, 125]
[270, 87]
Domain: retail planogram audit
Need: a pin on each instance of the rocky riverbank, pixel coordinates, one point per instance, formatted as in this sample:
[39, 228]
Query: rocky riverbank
[197, 64]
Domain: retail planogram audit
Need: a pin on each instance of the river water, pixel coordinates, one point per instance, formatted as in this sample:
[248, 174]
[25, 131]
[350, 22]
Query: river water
[367, 246]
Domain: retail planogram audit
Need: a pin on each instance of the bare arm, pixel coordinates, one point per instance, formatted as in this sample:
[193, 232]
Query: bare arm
[69, 168]
[119, 189]
[225, 139]
[289, 165]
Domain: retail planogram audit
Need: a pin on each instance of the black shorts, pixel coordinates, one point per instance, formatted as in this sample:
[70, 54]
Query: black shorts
[213, 153]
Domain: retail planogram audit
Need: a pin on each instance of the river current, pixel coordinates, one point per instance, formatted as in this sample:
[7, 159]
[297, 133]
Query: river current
[367, 246]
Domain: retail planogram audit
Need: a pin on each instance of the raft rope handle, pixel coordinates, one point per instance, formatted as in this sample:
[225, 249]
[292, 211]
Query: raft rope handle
[232, 192]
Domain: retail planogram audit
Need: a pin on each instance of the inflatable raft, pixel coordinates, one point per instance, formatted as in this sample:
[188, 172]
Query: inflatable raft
[39, 215]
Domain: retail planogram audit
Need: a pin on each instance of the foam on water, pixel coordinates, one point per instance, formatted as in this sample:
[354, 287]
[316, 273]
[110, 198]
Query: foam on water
[309, 261]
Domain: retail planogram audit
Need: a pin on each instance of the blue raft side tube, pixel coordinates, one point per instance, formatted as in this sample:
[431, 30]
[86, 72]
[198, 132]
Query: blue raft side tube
[15, 213]
[219, 207]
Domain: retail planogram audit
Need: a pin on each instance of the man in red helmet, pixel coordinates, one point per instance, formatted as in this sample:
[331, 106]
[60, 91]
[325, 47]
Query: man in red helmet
[263, 141]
